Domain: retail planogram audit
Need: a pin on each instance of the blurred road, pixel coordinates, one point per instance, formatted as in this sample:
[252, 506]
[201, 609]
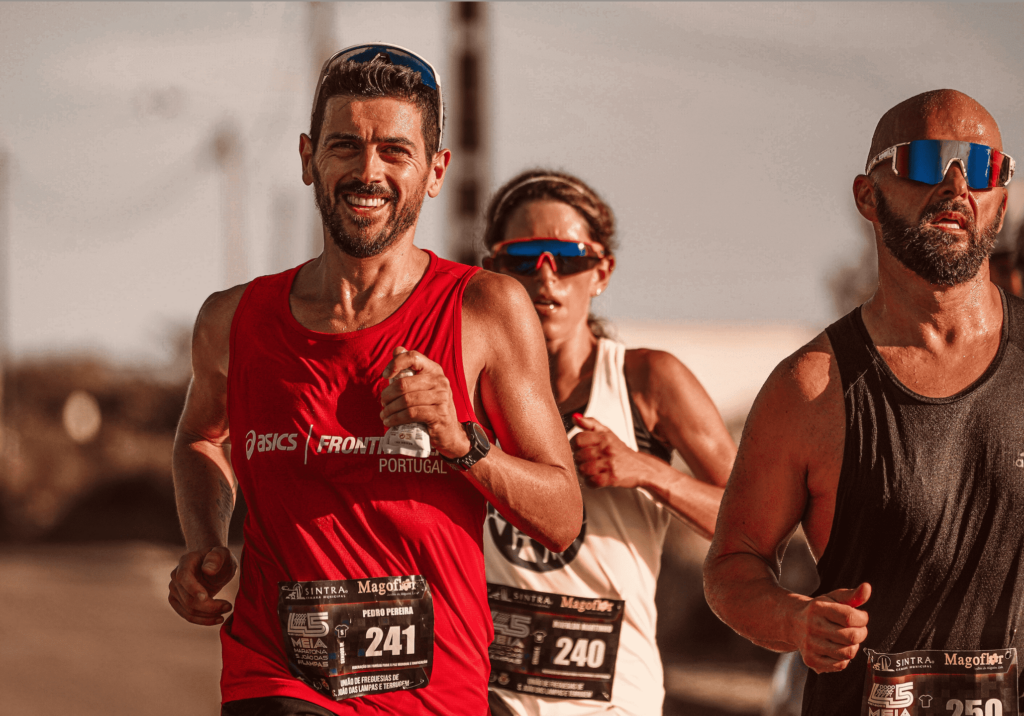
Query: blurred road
[86, 630]
[715, 689]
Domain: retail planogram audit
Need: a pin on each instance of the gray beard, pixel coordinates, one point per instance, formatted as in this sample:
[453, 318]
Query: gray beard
[399, 221]
[927, 251]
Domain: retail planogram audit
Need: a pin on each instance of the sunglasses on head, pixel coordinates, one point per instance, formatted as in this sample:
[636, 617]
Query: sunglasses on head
[928, 160]
[525, 256]
[361, 54]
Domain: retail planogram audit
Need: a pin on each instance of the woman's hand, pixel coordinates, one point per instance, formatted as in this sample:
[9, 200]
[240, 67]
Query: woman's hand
[603, 459]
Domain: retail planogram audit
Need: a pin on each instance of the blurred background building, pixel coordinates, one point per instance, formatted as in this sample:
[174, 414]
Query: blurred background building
[148, 156]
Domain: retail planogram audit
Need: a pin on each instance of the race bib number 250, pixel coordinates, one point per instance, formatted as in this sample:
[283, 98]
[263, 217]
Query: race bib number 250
[951, 683]
[354, 637]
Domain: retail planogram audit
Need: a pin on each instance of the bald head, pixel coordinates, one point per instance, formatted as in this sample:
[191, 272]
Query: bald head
[939, 114]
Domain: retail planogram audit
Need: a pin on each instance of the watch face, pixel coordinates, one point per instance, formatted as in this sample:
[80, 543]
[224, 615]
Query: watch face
[478, 448]
[481, 436]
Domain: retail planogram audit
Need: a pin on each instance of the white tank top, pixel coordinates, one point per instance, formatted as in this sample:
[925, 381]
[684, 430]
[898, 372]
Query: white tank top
[618, 558]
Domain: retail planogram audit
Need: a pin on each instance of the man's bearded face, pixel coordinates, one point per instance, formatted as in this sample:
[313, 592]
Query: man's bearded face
[932, 253]
[359, 241]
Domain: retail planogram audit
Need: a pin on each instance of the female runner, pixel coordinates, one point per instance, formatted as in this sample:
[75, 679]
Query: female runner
[575, 632]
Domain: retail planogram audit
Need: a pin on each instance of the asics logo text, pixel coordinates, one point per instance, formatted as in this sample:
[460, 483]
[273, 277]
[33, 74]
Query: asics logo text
[268, 442]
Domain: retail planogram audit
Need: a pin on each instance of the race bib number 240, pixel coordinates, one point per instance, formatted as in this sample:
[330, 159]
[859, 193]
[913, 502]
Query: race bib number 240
[554, 645]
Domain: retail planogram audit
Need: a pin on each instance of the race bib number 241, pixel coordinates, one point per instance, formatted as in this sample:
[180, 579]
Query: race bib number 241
[354, 637]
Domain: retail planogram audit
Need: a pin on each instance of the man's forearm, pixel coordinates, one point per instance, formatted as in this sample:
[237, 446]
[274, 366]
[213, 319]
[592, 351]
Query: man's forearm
[542, 501]
[204, 491]
[745, 594]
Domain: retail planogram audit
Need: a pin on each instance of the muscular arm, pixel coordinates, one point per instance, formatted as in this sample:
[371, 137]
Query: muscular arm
[204, 484]
[786, 471]
[530, 479]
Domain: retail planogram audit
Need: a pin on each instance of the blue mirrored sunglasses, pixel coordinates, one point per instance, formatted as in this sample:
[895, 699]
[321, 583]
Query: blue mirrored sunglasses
[398, 56]
[525, 256]
[928, 160]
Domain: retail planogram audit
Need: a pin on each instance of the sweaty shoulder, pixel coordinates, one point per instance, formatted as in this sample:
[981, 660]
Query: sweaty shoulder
[803, 396]
[501, 334]
[491, 293]
[497, 305]
[650, 371]
[659, 383]
[809, 372]
[211, 338]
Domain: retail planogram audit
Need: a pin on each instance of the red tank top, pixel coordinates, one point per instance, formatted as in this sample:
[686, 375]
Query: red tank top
[304, 414]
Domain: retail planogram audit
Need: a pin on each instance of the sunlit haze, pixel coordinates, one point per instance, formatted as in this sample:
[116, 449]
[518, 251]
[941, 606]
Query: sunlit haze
[725, 136]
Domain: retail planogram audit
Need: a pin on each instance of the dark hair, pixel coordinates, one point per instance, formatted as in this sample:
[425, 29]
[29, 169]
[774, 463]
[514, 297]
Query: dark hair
[541, 184]
[379, 78]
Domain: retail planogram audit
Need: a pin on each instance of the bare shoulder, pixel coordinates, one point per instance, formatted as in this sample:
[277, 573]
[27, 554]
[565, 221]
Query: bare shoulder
[799, 413]
[497, 309]
[678, 411]
[789, 457]
[501, 336]
[662, 387]
[651, 371]
[493, 296]
[211, 337]
[219, 307]
[791, 451]
[205, 414]
[805, 380]
[808, 374]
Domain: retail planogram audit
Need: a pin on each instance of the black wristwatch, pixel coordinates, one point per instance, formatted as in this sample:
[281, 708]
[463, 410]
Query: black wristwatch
[479, 446]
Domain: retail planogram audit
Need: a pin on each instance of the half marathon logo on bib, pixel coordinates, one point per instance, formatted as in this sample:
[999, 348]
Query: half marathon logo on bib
[523, 551]
[946, 683]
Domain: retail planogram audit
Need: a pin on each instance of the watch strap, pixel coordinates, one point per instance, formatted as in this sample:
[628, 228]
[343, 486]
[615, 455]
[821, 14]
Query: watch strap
[477, 451]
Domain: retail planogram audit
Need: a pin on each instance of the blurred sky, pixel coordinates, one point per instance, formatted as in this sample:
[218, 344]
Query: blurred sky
[725, 136]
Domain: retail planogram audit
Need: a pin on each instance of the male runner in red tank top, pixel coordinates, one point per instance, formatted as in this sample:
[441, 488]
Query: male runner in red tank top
[362, 585]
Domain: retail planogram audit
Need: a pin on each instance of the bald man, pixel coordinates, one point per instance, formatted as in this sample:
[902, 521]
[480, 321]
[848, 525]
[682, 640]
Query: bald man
[896, 439]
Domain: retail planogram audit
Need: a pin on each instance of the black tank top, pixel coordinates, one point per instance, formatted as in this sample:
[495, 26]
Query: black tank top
[929, 508]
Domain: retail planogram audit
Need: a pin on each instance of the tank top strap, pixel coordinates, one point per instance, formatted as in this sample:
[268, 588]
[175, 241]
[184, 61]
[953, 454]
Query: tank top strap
[646, 442]
[850, 344]
[609, 396]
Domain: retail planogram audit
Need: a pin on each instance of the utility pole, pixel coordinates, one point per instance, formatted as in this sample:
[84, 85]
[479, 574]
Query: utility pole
[283, 221]
[5, 352]
[467, 101]
[322, 44]
[227, 150]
